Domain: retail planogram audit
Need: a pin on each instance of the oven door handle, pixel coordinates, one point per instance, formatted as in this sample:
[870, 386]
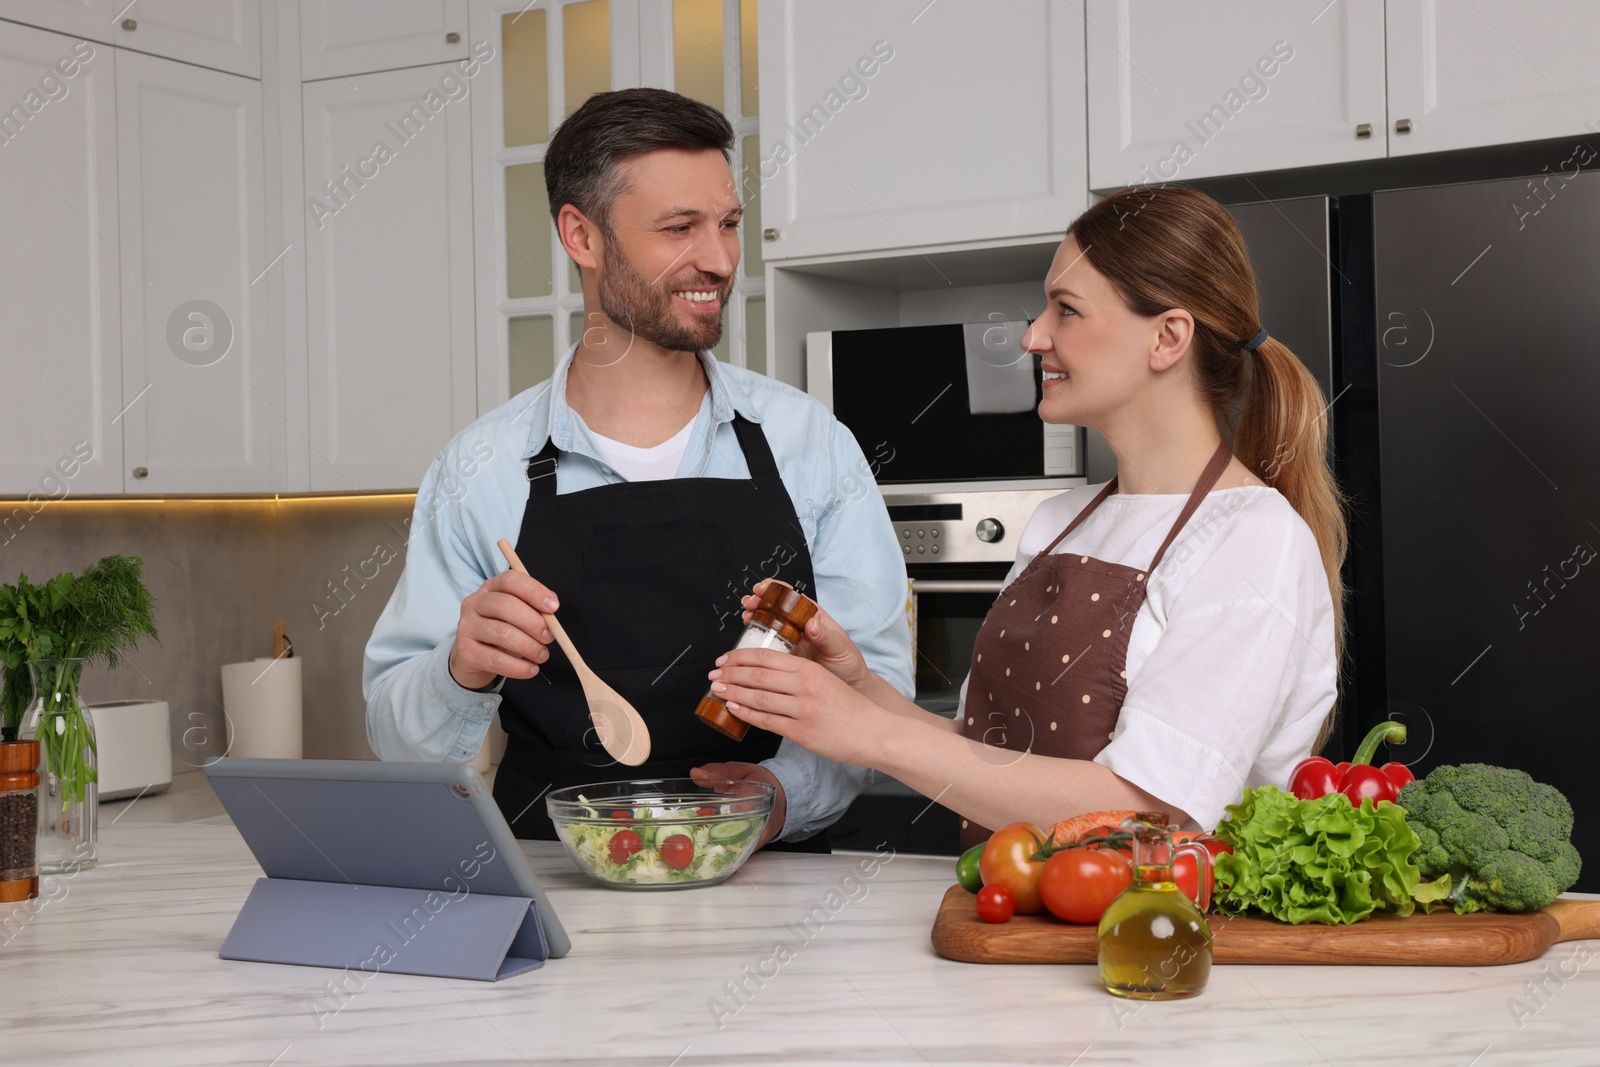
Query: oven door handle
[956, 585]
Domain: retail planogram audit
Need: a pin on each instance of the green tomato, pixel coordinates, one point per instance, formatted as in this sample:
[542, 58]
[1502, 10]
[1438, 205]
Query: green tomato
[967, 872]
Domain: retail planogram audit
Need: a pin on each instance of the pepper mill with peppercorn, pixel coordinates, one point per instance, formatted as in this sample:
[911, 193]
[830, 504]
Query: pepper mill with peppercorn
[777, 622]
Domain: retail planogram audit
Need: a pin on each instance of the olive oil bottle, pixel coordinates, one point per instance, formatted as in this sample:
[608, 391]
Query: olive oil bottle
[1154, 942]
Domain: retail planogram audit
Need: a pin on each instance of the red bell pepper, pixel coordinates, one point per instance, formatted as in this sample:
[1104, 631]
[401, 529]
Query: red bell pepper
[1358, 779]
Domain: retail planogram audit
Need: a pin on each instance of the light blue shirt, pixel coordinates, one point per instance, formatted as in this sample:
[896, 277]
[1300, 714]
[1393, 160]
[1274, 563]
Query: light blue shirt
[475, 493]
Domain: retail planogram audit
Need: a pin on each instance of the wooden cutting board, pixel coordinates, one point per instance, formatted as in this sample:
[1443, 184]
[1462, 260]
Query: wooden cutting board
[1442, 939]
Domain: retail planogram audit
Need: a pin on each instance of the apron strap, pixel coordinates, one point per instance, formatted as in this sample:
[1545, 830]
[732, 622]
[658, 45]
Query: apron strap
[757, 456]
[1208, 478]
[1111, 487]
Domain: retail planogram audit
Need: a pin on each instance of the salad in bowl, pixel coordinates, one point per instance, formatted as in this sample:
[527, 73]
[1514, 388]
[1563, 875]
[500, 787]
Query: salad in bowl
[663, 833]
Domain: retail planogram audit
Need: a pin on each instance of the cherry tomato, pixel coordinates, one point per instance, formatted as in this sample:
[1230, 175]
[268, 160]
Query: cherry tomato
[1399, 774]
[677, 851]
[1363, 781]
[1007, 861]
[702, 812]
[624, 843]
[995, 904]
[1077, 885]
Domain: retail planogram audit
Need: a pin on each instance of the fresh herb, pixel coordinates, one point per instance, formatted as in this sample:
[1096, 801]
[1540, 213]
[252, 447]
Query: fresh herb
[1321, 860]
[98, 617]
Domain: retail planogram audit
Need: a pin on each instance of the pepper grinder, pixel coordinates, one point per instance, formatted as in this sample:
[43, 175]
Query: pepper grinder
[777, 622]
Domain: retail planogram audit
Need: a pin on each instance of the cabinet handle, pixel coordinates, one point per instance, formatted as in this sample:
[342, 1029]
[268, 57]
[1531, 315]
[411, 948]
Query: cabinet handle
[141, 472]
[130, 25]
[1364, 130]
[452, 38]
[1402, 126]
[769, 234]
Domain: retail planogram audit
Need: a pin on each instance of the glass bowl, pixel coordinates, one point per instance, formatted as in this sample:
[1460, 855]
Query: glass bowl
[661, 833]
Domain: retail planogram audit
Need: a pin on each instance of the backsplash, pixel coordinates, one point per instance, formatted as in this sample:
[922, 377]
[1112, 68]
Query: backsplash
[222, 572]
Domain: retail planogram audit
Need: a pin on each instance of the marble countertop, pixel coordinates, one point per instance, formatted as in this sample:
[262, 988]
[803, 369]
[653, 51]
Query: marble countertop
[119, 966]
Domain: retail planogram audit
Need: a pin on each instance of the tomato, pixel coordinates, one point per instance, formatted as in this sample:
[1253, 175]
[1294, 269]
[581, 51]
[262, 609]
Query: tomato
[703, 812]
[1216, 846]
[1079, 883]
[967, 872]
[677, 851]
[1007, 861]
[995, 904]
[624, 843]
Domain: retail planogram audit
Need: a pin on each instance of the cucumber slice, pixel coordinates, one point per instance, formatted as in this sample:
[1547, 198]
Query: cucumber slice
[727, 832]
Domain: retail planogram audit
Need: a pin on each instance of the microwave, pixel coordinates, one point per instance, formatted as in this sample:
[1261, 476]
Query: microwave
[943, 404]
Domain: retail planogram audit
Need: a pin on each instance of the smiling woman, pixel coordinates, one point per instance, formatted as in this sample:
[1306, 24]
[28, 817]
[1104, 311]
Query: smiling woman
[1143, 653]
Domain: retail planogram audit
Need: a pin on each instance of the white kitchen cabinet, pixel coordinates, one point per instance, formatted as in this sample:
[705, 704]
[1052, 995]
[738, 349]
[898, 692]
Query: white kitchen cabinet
[908, 124]
[223, 34]
[203, 398]
[1491, 72]
[60, 361]
[343, 38]
[81, 18]
[1185, 91]
[389, 276]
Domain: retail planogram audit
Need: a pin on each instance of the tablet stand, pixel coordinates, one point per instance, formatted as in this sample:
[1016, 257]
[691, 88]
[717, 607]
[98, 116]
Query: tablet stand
[373, 928]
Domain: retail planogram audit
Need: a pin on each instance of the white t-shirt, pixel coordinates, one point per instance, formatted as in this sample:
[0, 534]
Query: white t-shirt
[646, 464]
[1231, 660]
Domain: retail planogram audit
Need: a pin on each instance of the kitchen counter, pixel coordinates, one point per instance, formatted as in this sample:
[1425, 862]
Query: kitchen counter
[121, 968]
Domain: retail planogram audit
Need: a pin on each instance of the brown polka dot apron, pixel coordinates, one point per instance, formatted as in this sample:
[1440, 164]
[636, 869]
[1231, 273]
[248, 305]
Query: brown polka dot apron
[1049, 670]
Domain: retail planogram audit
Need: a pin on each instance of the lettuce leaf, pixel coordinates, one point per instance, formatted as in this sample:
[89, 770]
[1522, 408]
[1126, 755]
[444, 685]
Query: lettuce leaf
[1321, 860]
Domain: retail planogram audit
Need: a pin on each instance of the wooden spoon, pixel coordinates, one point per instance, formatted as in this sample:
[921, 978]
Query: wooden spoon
[621, 731]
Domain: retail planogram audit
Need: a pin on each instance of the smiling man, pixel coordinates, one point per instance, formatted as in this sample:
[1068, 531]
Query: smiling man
[646, 486]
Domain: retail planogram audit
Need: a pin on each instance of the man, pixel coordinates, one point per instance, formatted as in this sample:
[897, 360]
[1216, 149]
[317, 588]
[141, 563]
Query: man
[646, 487]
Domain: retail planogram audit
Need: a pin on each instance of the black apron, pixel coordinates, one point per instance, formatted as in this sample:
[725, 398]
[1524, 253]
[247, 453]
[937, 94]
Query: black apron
[694, 546]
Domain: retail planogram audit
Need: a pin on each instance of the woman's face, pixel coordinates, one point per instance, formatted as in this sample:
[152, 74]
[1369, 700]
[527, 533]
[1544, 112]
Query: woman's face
[1096, 352]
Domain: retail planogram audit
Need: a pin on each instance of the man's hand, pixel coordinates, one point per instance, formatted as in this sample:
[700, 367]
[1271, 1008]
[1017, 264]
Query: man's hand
[740, 772]
[501, 631]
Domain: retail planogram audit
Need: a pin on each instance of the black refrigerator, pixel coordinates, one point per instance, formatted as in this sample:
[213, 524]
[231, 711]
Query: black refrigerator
[1488, 436]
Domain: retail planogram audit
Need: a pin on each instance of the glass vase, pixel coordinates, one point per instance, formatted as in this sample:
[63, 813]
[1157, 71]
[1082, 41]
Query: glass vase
[68, 789]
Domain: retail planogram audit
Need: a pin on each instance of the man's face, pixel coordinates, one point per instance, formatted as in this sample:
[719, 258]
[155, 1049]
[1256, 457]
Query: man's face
[669, 260]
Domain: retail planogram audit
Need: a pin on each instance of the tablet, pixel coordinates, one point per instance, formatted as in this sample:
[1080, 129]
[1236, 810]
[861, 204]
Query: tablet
[369, 822]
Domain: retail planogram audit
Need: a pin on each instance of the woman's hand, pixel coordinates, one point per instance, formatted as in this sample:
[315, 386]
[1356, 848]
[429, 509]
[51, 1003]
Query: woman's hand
[824, 642]
[799, 699]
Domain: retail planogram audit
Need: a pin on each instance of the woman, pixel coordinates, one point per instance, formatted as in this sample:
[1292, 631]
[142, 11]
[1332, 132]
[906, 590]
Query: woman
[1163, 640]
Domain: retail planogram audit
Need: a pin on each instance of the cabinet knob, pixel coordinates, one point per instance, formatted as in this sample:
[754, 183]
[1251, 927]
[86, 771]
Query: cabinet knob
[141, 472]
[130, 25]
[1364, 130]
[452, 38]
[769, 234]
[1402, 126]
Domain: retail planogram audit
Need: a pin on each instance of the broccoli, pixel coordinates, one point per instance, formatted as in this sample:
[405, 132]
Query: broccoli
[1502, 838]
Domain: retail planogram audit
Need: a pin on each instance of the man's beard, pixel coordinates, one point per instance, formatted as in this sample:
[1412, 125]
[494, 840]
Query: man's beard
[632, 303]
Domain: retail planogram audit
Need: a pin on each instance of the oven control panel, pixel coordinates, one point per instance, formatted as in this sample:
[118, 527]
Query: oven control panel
[980, 526]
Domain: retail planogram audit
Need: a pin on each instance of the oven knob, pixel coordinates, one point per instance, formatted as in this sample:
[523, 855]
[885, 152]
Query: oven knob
[990, 531]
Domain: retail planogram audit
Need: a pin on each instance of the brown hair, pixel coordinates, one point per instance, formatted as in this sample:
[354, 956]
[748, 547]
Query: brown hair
[582, 160]
[1166, 247]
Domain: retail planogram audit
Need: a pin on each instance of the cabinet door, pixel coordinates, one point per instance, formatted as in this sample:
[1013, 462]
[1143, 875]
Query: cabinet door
[340, 38]
[60, 364]
[203, 398]
[1184, 91]
[1491, 72]
[81, 18]
[907, 124]
[388, 276]
[223, 34]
